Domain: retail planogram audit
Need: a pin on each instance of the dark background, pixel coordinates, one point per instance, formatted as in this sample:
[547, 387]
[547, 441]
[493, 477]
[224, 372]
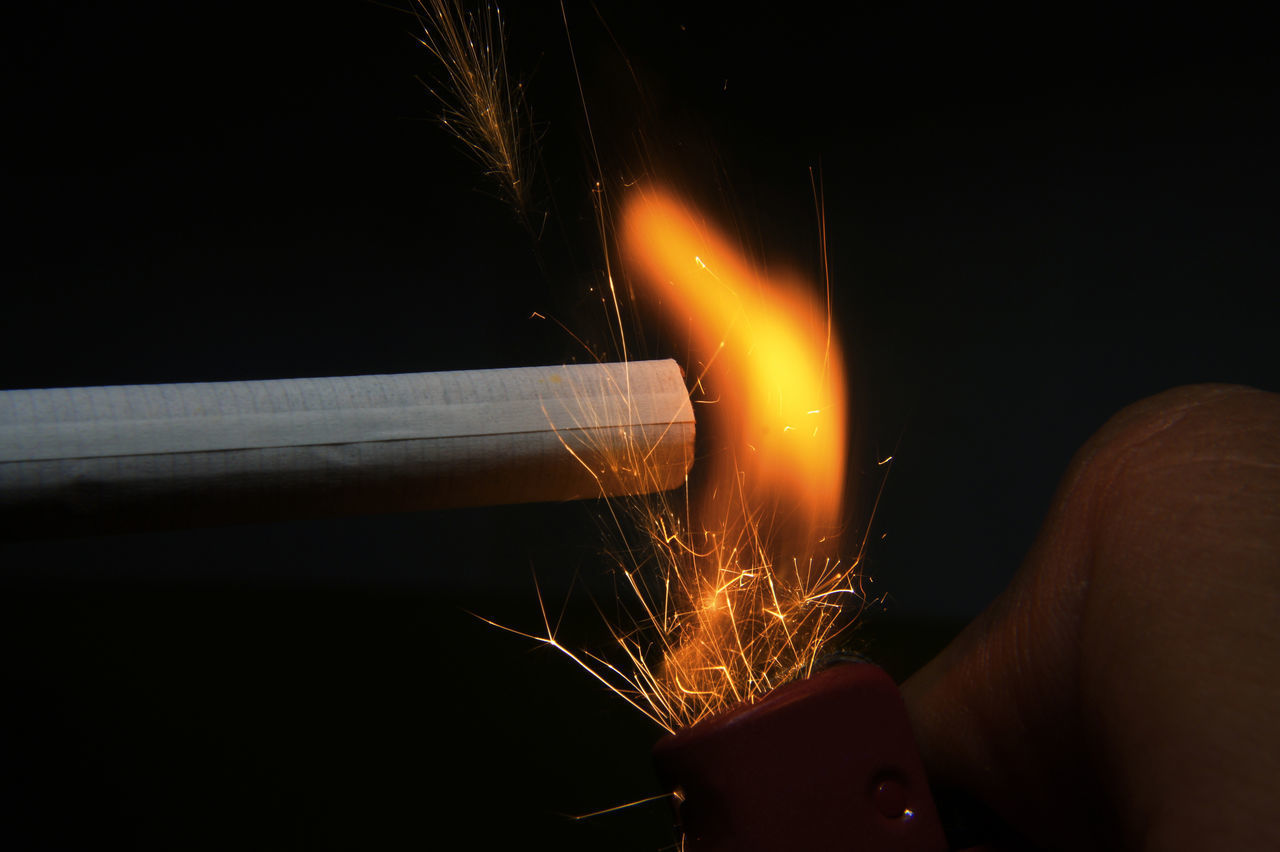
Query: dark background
[1034, 219]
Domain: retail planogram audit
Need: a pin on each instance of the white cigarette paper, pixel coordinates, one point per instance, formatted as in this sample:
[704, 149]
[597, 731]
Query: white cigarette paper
[152, 456]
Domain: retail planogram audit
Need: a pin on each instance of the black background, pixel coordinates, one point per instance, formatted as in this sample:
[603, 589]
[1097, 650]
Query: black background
[1034, 219]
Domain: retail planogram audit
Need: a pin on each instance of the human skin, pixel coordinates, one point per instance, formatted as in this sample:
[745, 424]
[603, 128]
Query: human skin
[1124, 691]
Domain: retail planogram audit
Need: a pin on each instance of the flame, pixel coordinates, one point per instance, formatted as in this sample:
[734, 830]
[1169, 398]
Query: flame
[767, 357]
[733, 592]
[746, 595]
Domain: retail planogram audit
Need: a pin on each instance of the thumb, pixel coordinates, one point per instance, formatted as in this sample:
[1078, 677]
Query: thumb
[1117, 694]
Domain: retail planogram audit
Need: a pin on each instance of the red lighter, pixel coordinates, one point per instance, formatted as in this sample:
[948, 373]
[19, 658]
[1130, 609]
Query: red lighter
[821, 764]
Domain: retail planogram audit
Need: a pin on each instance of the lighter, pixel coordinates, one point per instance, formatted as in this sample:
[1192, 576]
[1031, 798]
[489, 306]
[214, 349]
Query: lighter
[820, 764]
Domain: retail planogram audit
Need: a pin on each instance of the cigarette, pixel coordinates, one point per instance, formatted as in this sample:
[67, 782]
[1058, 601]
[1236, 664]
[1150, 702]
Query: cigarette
[141, 457]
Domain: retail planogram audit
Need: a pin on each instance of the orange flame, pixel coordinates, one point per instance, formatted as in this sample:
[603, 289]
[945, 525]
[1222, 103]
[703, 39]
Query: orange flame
[737, 591]
[768, 361]
[751, 594]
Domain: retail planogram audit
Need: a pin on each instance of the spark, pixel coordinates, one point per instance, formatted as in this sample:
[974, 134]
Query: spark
[616, 808]
[482, 108]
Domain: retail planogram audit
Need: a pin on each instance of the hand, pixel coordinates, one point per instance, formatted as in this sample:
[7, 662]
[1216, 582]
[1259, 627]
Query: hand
[1124, 691]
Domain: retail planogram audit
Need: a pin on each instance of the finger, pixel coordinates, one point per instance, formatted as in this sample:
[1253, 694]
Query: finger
[1076, 706]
